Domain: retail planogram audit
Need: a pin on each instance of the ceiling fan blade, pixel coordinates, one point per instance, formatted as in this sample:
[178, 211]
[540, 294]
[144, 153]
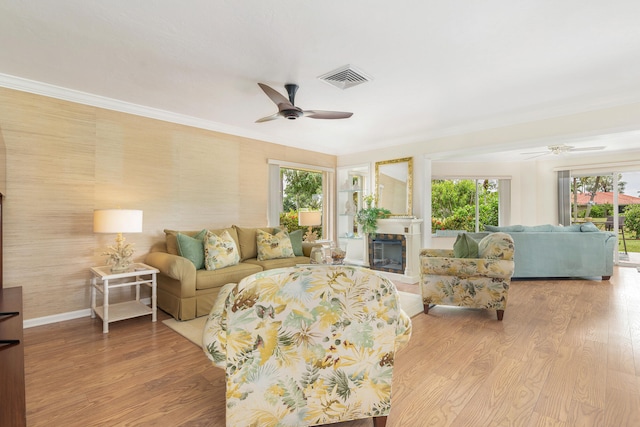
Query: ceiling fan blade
[536, 156]
[319, 114]
[276, 97]
[588, 148]
[269, 118]
[536, 152]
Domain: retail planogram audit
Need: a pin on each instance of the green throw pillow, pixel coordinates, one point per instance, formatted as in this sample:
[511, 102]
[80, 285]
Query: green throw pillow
[192, 248]
[465, 247]
[296, 242]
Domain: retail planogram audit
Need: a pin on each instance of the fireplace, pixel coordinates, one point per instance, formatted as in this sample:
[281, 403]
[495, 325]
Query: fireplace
[388, 252]
[395, 249]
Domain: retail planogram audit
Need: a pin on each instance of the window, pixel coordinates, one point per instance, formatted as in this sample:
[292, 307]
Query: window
[609, 200]
[301, 190]
[468, 204]
[295, 186]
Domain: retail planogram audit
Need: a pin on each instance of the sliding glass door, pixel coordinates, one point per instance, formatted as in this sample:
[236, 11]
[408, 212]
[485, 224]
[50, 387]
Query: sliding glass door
[611, 201]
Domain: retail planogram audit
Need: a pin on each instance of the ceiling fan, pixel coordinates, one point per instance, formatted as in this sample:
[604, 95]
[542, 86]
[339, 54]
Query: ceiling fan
[561, 149]
[288, 110]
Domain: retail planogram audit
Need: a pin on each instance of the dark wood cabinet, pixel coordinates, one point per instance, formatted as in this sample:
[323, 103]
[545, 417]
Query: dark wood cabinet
[12, 395]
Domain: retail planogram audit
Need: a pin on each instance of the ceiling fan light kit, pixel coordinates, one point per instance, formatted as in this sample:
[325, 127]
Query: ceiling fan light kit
[561, 149]
[288, 110]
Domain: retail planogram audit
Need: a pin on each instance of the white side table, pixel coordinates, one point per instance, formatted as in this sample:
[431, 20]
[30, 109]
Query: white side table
[103, 280]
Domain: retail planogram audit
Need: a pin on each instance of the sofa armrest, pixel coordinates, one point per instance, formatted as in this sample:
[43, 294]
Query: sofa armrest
[214, 334]
[175, 267]
[466, 267]
[403, 330]
[437, 253]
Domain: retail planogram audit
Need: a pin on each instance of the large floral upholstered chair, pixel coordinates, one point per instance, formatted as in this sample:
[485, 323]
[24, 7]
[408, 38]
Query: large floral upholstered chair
[307, 345]
[478, 282]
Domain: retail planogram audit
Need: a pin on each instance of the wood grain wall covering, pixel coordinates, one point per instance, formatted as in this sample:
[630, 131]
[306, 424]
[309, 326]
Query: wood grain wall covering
[64, 160]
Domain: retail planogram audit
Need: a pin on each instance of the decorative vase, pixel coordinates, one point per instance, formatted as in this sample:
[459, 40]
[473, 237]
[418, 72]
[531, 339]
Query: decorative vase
[317, 255]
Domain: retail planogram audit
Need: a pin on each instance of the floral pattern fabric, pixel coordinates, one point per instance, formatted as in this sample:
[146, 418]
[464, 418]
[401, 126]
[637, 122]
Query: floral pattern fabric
[307, 346]
[220, 251]
[469, 282]
[273, 246]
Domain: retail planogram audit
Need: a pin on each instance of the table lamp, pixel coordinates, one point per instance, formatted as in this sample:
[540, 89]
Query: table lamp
[310, 219]
[118, 221]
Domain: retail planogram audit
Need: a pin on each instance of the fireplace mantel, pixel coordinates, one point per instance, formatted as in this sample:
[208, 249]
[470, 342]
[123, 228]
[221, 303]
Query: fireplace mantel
[410, 228]
[403, 226]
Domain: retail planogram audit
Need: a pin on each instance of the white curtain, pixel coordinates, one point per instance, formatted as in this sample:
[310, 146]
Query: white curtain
[274, 205]
[504, 206]
[564, 197]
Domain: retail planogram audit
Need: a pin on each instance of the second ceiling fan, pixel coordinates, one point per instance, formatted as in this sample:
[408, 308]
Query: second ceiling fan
[561, 149]
[288, 110]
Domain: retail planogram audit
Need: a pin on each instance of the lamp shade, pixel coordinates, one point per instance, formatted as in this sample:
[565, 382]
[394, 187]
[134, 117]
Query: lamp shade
[309, 218]
[117, 221]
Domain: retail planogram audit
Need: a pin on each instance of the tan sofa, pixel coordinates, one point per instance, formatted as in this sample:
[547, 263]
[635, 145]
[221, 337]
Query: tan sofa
[186, 293]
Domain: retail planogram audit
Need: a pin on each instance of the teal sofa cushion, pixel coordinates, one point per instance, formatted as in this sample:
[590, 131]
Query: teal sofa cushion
[506, 228]
[192, 248]
[588, 227]
[539, 228]
[575, 228]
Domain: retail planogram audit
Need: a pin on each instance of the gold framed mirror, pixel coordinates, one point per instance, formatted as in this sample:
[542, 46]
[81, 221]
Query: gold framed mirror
[394, 186]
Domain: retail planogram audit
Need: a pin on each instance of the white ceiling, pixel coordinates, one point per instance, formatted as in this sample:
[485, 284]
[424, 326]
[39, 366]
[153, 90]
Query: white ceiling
[437, 66]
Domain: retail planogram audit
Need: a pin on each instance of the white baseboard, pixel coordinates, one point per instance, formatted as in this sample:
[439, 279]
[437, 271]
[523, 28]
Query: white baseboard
[55, 318]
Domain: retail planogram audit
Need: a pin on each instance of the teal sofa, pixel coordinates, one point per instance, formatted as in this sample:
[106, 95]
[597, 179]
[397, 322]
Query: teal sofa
[557, 251]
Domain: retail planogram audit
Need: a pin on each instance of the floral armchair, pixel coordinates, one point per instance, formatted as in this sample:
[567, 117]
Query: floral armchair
[481, 282]
[306, 346]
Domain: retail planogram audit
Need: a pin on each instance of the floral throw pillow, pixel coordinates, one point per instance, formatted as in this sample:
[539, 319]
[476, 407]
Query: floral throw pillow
[220, 251]
[272, 246]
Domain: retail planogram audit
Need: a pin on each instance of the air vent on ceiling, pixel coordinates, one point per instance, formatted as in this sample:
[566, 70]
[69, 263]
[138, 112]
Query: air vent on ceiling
[345, 77]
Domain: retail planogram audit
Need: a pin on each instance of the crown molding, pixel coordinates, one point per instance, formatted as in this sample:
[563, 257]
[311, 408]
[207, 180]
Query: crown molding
[71, 95]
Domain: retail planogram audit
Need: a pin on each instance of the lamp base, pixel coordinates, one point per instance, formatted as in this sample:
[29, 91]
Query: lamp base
[119, 256]
[310, 236]
[121, 266]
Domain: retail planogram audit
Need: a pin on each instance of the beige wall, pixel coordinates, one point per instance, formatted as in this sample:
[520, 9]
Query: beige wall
[63, 160]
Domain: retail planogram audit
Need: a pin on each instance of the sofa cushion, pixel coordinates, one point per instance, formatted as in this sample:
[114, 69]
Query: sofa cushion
[273, 246]
[465, 246]
[567, 229]
[220, 251]
[209, 279]
[172, 240]
[172, 243]
[296, 241]
[539, 228]
[506, 228]
[588, 227]
[192, 248]
[247, 241]
[278, 262]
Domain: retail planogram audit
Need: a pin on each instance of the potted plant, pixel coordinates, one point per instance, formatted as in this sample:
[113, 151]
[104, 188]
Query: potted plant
[368, 217]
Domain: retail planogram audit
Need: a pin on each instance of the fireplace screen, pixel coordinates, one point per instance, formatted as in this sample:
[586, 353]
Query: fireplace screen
[388, 252]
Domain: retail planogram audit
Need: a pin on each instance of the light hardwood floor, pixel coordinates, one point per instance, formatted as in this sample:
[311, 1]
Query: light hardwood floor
[566, 354]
